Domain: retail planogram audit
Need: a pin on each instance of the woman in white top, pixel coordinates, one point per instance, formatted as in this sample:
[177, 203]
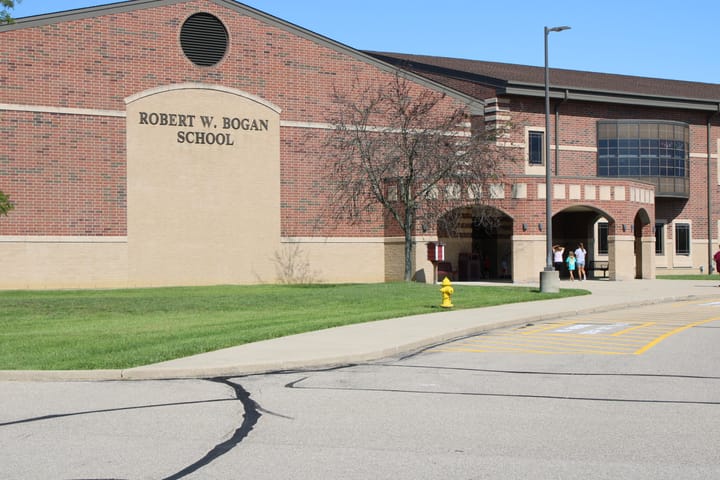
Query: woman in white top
[580, 253]
[558, 256]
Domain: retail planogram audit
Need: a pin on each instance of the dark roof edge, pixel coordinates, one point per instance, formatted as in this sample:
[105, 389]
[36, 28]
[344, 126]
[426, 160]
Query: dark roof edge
[507, 85]
[610, 96]
[83, 13]
[407, 64]
[476, 105]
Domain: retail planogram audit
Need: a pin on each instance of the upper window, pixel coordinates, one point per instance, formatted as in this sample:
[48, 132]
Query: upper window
[656, 151]
[535, 147]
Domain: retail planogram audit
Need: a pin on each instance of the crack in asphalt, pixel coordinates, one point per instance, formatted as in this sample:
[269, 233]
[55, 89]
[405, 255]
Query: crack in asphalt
[55, 416]
[250, 418]
[252, 413]
[295, 385]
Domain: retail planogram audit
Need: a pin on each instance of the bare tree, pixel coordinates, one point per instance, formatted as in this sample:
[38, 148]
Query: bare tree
[410, 153]
[293, 266]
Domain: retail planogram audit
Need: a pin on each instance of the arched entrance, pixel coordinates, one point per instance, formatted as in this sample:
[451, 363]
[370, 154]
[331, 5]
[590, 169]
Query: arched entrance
[478, 242]
[586, 225]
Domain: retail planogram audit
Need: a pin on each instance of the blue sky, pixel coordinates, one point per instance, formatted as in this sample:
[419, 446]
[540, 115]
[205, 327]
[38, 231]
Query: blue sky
[659, 38]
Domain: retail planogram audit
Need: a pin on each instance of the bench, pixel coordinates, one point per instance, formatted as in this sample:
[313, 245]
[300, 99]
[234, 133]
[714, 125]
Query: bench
[603, 265]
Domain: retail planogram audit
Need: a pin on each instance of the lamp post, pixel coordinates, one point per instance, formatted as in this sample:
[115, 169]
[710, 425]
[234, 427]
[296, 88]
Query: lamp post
[549, 278]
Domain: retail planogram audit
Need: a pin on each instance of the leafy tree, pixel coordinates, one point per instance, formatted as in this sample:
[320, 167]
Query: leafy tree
[420, 167]
[5, 204]
[7, 5]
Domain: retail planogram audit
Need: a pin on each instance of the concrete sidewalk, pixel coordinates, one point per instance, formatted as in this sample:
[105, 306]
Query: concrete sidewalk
[387, 338]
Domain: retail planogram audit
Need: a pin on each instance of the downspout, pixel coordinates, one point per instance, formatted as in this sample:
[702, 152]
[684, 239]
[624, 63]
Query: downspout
[557, 132]
[709, 191]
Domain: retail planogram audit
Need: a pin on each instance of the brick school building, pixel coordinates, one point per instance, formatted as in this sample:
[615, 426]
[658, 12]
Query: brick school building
[179, 142]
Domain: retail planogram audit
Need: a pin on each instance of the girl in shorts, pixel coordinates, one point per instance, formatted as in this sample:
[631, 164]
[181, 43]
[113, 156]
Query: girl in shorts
[570, 260]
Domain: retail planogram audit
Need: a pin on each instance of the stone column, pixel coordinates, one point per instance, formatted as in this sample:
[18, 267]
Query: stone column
[621, 255]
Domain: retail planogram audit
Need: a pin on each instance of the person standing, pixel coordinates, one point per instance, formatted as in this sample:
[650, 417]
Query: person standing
[580, 254]
[716, 257]
[570, 260]
[558, 256]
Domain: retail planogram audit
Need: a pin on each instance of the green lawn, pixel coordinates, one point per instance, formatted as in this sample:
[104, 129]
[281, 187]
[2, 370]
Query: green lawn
[98, 329]
[695, 276]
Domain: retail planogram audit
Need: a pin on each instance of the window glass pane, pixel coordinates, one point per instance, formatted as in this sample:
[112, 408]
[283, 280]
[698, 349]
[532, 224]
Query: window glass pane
[666, 132]
[648, 130]
[602, 238]
[535, 150]
[643, 148]
[628, 130]
[659, 239]
[682, 239]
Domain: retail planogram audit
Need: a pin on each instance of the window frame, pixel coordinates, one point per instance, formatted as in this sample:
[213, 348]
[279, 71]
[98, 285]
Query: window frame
[682, 231]
[657, 151]
[603, 232]
[660, 228]
[534, 134]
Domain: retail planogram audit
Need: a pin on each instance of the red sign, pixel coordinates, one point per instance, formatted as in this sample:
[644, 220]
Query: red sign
[436, 252]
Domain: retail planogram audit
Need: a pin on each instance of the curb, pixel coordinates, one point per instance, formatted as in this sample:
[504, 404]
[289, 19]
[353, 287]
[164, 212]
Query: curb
[149, 373]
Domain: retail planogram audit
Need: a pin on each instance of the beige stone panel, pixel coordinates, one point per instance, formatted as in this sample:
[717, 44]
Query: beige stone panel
[63, 264]
[648, 257]
[619, 193]
[497, 190]
[340, 260]
[541, 191]
[574, 192]
[590, 192]
[528, 258]
[519, 190]
[621, 255]
[394, 256]
[202, 211]
[559, 191]
[605, 192]
[700, 256]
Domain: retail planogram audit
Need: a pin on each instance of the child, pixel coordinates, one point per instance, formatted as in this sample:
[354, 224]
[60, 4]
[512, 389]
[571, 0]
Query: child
[570, 260]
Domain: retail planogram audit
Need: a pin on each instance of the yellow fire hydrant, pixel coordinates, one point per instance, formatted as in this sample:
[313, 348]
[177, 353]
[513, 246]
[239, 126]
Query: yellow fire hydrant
[447, 290]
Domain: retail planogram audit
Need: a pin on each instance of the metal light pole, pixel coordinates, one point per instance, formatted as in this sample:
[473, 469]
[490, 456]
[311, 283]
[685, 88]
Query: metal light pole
[549, 278]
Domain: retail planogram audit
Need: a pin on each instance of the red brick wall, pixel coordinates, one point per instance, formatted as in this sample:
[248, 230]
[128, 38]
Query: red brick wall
[578, 128]
[66, 173]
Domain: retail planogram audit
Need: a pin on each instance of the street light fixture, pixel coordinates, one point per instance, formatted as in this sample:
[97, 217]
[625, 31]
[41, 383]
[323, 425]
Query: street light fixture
[549, 278]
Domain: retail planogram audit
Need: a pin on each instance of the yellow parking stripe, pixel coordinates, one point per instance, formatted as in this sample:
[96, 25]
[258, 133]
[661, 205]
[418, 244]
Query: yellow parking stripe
[623, 332]
[673, 332]
[579, 336]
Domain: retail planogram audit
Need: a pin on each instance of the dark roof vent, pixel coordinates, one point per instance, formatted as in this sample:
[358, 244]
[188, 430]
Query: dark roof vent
[204, 39]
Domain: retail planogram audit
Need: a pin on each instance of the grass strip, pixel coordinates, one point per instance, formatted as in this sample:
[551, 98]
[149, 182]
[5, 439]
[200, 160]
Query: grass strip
[695, 276]
[110, 329]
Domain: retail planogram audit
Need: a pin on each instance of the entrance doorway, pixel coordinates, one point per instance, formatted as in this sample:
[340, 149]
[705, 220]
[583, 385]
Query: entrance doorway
[586, 225]
[478, 243]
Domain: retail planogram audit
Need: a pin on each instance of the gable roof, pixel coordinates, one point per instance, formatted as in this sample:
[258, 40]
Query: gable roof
[511, 79]
[475, 104]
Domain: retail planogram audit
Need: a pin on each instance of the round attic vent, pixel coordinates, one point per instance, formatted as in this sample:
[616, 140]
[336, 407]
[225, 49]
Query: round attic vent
[204, 39]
